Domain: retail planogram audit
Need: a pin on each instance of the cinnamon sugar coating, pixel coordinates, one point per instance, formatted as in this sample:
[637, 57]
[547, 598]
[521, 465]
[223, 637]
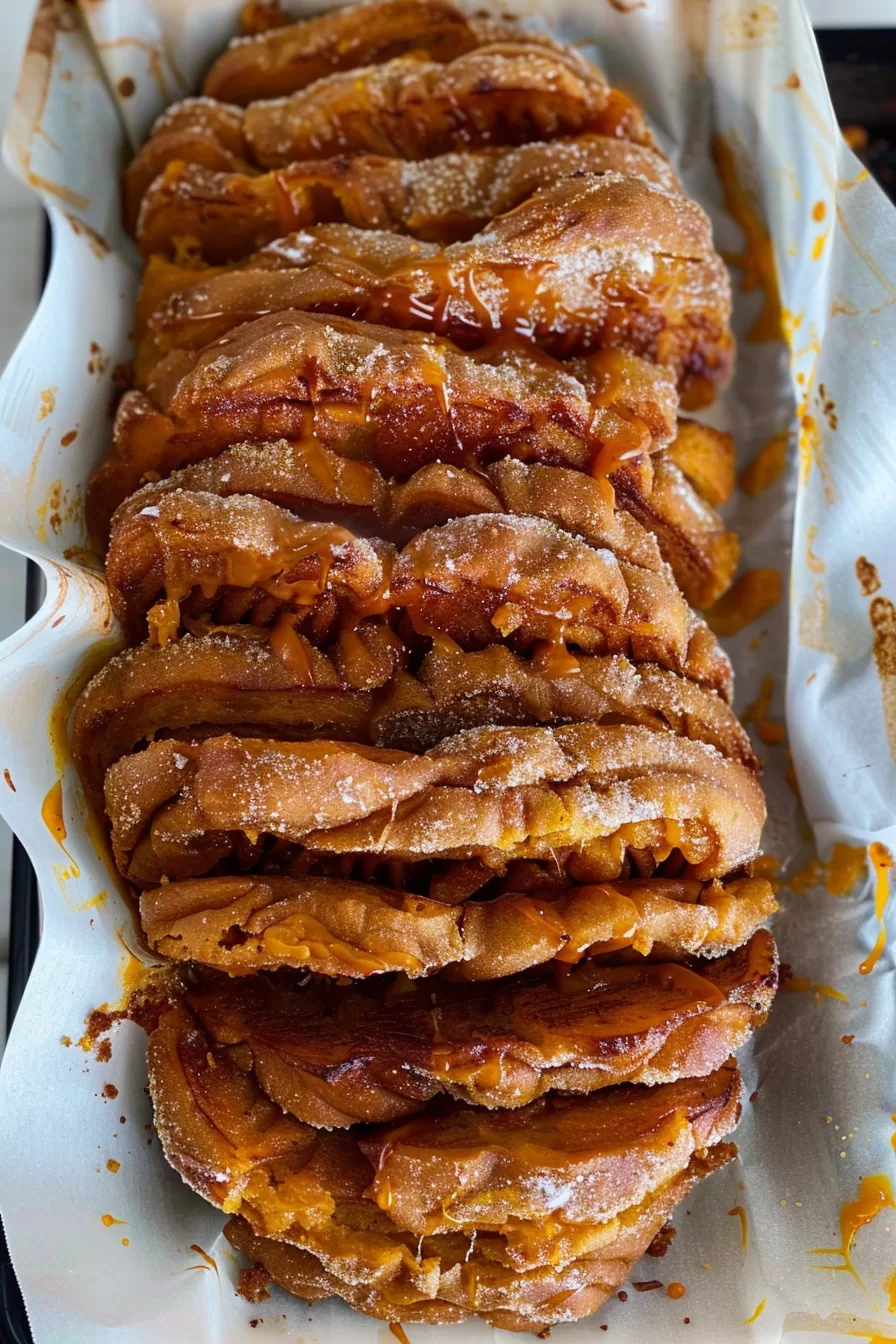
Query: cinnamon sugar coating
[228, 215]
[340, 927]
[599, 793]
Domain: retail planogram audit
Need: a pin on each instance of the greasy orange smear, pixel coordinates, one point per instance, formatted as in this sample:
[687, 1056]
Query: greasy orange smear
[810, 876]
[844, 868]
[209, 1262]
[882, 861]
[809, 439]
[797, 984]
[890, 1289]
[875, 1195]
[399, 1332]
[819, 210]
[676, 1290]
[739, 1212]
[767, 465]
[757, 261]
[757, 1313]
[51, 815]
[108, 1221]
[113, 1165]
[754, 593]
[51, 812]
[771, 732]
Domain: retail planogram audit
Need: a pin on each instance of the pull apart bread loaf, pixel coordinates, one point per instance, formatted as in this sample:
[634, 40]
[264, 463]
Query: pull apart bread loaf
[420, 759]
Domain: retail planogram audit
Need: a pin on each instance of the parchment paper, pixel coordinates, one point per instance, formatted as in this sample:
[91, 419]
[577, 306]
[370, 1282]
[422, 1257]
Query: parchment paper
[821, 1119]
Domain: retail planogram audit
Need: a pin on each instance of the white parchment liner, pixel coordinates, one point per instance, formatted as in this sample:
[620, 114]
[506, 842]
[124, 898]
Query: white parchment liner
[822, 1117]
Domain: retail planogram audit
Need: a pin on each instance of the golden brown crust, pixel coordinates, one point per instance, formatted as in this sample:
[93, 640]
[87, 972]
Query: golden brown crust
[335, 1056]
[521, 801]
[503, 93]
[289, 56]
[426, 769]
[525, 580]
[198, 131]
[228, 215]
[592, 261]
[237, 557]
[603, 793]
[692, 537]
[507, 92]
[337, 927]
[462, 1169]
[398, 399]
[177, 802]
[234, 679]
[316, 483]
[470, 1282]
[454, 690]
[478, 580]
[311, 1190]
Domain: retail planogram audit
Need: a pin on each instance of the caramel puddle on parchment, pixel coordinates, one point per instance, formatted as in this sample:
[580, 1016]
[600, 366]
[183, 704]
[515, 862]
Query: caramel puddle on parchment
[875, 1194]
[882, 862]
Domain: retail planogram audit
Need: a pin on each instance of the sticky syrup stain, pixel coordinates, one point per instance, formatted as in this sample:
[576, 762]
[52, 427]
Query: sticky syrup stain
[882, 615]
[53, 819]
[875, 1194]
[757, 261]
[813, 620]
[868, 577]
[98, 361]
[92, 903]
[767, 466]
[844, 868]
[113, 1165]
[740, 1212]
[755, 28]
[890, 1290]
[812, 875]
[210, 1263]
[881, 862]
[97, 656]
[47, 403]
[676, 1291]
[753, 594]
[815, 562]
[754, 1316]
[798, 984]
[95, 241]
[398, 1330]
[818, 245]
[108, 1221]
